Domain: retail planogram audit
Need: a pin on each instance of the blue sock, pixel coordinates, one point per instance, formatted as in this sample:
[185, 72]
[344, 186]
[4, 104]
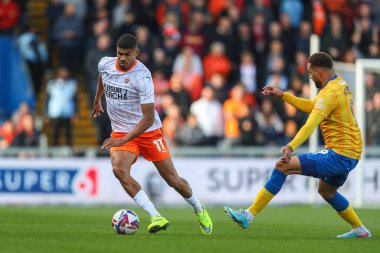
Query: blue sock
[275, 182]
[338, 202]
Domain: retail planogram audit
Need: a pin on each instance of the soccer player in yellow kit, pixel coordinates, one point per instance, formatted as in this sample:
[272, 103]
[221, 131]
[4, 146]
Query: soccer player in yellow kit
[331, 109]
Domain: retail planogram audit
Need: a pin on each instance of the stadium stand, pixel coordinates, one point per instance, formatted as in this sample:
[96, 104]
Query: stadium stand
[181, 41]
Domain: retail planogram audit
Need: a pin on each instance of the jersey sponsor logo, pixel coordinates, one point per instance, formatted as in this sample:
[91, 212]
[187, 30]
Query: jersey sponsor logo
[127, 79]
[49, 181]
[115, 92]
[320, 104]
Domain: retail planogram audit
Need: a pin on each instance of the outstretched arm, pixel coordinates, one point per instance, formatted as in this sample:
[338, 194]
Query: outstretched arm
[300, 103]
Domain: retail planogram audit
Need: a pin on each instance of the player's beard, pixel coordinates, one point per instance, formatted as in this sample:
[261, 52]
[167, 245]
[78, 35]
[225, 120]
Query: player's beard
[318, 84]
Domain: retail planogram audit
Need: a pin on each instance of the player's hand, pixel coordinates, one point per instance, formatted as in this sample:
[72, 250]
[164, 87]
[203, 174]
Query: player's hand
[113, 142]
[98, 109]
[287, 152]
[270, 90]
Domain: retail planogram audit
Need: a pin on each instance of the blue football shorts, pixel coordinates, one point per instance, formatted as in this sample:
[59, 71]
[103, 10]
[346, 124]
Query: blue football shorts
[327, 165]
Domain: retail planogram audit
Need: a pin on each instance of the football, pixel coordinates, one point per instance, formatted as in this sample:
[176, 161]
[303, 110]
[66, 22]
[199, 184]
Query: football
[125, 222]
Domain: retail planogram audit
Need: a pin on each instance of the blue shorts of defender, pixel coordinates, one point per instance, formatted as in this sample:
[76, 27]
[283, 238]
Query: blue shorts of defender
[327, 165]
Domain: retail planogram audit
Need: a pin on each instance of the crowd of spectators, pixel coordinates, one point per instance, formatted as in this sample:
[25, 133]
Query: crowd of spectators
[20, 130]
[210, 59]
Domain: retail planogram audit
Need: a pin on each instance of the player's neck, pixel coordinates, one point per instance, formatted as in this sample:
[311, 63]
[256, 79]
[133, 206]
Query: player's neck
[327, 77]
[125, 69]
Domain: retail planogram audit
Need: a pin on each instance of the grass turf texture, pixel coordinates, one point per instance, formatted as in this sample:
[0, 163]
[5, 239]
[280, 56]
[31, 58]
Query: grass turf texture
[277, 229]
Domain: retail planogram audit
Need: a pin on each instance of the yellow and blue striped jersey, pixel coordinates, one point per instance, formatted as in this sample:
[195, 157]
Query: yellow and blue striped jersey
[339, 128]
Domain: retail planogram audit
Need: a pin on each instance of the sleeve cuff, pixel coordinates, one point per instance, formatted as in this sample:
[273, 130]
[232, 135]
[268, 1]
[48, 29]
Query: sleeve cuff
[292, 146]
[285, 96]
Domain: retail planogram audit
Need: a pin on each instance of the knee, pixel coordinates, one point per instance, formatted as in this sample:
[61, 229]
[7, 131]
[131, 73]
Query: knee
[120, 169]
[173, 181]
[282, 167]
[117, 171]
[325, 193]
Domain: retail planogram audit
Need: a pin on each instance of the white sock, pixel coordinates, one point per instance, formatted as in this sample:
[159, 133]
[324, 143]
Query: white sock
[250, 215]
[194, 202]
[361, 229]
[144, 202]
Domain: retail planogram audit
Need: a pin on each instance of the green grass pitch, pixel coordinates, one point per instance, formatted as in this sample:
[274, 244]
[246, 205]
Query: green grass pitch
[276, 229]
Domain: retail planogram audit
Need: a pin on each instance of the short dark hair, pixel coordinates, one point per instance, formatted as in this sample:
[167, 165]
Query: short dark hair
[321, 59]
[127, 41]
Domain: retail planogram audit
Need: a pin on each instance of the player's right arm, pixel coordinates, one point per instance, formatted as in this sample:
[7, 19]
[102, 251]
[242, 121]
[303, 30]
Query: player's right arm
[98, 109]
[302, 104]
[145, 122]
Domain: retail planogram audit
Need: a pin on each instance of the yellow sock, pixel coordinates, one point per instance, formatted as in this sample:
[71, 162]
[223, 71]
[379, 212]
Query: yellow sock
[262, 199]
[350, 216]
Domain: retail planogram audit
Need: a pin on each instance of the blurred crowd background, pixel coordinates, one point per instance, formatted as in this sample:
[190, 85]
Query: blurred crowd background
[209, 61]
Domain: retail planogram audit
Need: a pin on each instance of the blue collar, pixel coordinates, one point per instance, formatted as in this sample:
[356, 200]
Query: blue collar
[328, 80]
